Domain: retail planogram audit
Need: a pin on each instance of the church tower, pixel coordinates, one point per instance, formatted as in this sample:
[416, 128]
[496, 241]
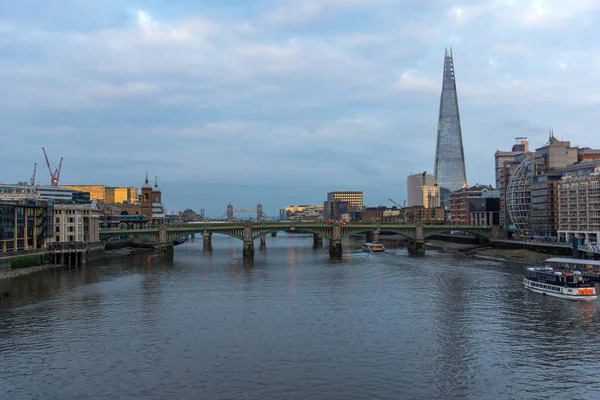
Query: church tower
[156, 193]
[147, 199]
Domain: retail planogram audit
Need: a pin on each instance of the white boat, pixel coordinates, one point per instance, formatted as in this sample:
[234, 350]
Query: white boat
[589, 268]
[373, 247]
[571, 286]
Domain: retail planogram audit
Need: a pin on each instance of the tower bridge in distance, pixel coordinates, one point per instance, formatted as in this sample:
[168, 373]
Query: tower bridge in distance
[260, 215]
[248, 231]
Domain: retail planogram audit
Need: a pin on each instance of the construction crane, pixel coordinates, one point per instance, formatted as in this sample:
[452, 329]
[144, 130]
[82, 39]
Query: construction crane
[32, 180]
[395, 203]
[54, 176]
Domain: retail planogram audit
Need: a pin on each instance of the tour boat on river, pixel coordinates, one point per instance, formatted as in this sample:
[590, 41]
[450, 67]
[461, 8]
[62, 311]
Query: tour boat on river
[571, 286]
[373, 247]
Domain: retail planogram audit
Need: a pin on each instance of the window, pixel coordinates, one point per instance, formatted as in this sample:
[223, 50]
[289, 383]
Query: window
[57, 220]
[58, 229]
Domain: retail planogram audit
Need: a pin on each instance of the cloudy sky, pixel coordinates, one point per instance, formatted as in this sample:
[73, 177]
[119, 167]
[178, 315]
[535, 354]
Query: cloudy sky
[280, 101]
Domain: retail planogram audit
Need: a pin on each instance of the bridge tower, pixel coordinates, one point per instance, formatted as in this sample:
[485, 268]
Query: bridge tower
[229, 213]
[259, 212]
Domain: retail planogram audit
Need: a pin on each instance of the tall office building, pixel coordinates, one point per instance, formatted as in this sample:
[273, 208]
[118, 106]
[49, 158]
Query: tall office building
[450, 171]
[421, 190]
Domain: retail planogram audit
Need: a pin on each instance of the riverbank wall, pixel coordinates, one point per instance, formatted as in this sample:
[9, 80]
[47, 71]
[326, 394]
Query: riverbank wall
[58, 255]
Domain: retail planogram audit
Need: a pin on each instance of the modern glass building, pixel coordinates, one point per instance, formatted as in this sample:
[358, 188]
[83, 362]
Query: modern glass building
[449, 155]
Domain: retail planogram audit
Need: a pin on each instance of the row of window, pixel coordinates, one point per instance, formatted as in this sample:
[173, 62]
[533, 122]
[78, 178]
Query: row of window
[547, 287]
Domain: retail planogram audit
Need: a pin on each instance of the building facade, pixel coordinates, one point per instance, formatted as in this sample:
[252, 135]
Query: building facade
[506, 163]
[579, 203]
[422, 191]
[484, 211]
[107, 194]
[25, 224]
[450, 172]
[304, 213]
[460, 211]
[340, 203]
[76, 222]
[531, 193]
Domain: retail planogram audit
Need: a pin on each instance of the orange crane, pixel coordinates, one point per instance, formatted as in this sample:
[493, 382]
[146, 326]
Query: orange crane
[54, 176]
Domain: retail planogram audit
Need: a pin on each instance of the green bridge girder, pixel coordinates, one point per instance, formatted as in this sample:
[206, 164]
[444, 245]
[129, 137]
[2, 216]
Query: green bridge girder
[259, 229]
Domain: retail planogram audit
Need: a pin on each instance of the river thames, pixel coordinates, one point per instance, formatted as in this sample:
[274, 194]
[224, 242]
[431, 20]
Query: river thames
[293, 324]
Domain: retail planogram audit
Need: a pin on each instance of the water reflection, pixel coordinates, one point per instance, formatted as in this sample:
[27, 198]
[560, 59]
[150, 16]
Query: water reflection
[382, 326]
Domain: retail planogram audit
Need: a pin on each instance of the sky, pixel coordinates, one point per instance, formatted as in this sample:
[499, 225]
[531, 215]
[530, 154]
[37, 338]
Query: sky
[282, 101]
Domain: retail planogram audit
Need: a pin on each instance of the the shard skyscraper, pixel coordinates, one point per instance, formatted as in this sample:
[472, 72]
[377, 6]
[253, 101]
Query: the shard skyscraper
[450, 174]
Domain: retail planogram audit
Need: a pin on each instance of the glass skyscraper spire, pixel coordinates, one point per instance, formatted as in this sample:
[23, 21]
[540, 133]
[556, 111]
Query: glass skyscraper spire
[450, 171]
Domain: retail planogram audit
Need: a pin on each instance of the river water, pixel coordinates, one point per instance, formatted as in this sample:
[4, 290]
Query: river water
[292, 324]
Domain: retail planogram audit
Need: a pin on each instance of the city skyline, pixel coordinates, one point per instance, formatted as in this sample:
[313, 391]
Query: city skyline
[282, 102]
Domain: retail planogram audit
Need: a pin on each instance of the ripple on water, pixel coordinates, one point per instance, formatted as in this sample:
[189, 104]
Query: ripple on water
[294, 324]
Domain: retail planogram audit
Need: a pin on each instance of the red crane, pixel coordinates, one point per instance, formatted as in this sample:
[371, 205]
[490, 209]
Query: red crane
[54, 176]
[32, 180]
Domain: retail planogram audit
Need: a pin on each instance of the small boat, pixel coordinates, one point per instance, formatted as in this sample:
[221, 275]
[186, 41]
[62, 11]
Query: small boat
[373, 247]
[571, 286]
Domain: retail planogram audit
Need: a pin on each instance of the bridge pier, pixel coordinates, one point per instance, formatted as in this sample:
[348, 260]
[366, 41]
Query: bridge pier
[416, 247]
[263, 242]
[248, 241]
[207, 238]
[193, 236]
[335, 243]
[165, 248]
[317, 240]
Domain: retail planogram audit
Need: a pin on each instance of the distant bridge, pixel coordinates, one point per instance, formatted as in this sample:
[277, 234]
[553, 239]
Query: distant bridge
[248, 231]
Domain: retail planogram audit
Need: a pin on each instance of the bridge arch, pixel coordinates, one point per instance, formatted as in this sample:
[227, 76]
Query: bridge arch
[152, 239]
[467, 230]
[406, 235]
[300, 230]
[201, 231]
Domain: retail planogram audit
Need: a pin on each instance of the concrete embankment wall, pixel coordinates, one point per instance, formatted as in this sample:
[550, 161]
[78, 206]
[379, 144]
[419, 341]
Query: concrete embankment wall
[24, 261]
[546, 248]
[96, 253]
[117, 244]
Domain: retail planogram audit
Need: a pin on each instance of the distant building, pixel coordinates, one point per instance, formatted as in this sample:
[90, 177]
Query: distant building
[107, 194]
[422, 191]
[586, 154]
[25, 223]
[190, 215]
[55, 193]
[304, 213]
[449, 170]
[418, 213]
[579, 202]
[459, 203]
[382, 214]
[484, 211]
[19, 191]
[77, 222]
[339, 203]
[506, 163]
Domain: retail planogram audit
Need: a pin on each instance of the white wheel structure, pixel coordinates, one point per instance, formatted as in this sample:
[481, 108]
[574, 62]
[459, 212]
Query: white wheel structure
[519, 197]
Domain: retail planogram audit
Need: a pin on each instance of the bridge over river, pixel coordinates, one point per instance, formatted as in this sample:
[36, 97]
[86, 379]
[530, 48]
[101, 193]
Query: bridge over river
[248, 231]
